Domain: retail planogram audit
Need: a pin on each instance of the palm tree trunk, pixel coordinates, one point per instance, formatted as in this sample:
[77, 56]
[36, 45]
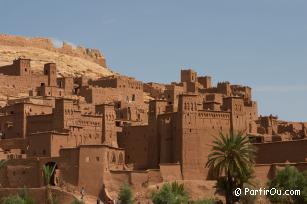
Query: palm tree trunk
[229, 193]
[49, 199]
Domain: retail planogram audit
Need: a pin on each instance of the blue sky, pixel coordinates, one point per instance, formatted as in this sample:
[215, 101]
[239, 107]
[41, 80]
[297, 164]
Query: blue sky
[262, 44]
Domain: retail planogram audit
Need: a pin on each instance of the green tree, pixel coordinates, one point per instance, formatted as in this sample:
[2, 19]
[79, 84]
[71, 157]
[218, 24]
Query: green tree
[289, 179]
[48, 172]
[125, 194]
[173, 193]
[232, 158]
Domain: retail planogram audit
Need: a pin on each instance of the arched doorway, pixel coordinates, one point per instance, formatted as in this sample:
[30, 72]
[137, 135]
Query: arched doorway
[54, 181]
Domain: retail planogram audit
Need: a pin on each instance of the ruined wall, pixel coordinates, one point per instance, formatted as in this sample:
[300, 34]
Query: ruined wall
[93, 55]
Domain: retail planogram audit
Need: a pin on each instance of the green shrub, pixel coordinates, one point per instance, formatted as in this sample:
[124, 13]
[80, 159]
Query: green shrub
[125, 194]
[21, 198]
[205, 201]
[76, 201]
[289, 179]
[248, 199]
[170, 194]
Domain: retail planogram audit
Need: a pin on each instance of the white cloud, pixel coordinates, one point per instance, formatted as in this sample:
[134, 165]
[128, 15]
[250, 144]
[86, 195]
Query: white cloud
[56, 42]
[59, 43]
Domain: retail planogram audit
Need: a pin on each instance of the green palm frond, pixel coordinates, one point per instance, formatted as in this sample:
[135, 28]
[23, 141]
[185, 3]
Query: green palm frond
[48, 171]
[2, 163]
[231, 154]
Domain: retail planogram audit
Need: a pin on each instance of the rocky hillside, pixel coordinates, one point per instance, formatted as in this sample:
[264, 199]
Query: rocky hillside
[70, 61]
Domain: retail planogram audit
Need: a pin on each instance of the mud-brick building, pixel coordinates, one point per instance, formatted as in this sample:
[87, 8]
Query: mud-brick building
[18, 78]
[100, 133]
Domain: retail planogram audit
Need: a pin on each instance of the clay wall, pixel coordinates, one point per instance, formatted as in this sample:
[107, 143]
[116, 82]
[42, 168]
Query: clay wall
[170, 172]
[69, 165]
[15, 85]
[171, 95]
[13, 119]
[39, 123]
[17, 143]
[20, 67]
[97, 160]
[263, 173]
[291, 151]
[205, 81]
[99, 95]
[195, 131]
[119, 82]
[155, 90]
[188, 75]
[167, 137]
[134, 139]
[19, 173]
[242, 91]
[67, 84]
[48, 144]
[156, 107]
[39, 194]
[212, 106]
[137, 179]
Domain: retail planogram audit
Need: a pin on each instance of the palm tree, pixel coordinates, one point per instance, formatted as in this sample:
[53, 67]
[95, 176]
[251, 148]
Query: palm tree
[48, 172]
[232, 158]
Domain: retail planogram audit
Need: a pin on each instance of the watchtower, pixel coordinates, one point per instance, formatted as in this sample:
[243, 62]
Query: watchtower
[50, 71]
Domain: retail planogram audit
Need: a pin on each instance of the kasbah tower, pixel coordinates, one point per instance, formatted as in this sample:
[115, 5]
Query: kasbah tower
[101, 132]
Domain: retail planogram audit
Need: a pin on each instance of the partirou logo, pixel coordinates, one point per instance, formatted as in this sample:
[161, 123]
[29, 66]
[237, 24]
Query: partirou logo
[263, 191]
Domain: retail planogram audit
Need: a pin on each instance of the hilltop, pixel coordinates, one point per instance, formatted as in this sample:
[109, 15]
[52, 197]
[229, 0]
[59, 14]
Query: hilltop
[71, 61]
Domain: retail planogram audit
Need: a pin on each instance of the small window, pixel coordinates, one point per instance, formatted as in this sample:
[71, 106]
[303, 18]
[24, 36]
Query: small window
[87, 159]
[113, 158]
[97, 158]
[44, 152]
